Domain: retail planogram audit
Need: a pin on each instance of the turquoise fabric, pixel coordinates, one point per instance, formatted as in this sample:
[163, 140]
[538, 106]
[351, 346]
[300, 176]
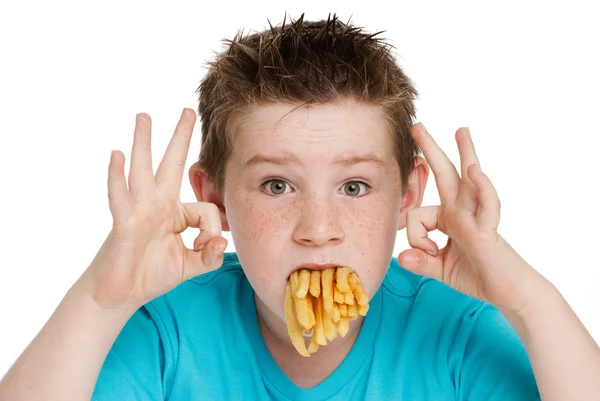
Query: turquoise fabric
[421, 340]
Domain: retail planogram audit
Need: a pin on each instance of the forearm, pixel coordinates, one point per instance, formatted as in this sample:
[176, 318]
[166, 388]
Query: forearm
[563, 354]
[64, 360]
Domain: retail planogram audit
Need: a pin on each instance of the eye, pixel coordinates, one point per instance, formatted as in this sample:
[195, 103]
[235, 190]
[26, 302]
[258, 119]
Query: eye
[353, 188]
[276, 187]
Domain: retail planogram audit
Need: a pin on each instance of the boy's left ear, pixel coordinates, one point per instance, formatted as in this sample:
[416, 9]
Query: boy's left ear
[205, 190]
[414, 192]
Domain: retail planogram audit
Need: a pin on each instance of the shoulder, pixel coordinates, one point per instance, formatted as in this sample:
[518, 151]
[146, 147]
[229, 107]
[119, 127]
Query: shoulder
[196, 303]
[204, 291]
[206, 288]
[401, 283]
[429, 301]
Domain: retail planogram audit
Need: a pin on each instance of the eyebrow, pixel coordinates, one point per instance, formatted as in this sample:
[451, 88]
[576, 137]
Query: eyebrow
[292, 160]
[366, 158]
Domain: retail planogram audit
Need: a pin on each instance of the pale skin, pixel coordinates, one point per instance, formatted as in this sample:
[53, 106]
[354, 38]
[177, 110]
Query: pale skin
[147, 214]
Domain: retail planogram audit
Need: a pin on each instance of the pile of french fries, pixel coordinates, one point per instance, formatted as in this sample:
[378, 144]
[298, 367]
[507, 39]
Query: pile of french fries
[321, 304]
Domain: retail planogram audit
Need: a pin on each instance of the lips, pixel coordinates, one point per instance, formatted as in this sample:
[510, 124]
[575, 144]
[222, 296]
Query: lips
[317, 266]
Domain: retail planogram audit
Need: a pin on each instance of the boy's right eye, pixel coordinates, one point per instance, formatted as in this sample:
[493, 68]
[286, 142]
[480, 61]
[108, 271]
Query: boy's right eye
[276, 187]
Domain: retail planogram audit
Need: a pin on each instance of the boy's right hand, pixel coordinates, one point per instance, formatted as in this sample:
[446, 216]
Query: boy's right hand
[144, 255]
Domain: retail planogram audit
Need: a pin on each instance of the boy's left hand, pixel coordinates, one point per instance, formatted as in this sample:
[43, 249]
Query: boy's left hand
[476, 260]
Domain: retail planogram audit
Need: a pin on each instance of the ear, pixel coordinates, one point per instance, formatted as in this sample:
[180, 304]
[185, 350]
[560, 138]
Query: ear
[205, 190]
[414, 192]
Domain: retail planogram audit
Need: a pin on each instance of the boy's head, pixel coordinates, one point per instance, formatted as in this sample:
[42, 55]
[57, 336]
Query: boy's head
[307, 151]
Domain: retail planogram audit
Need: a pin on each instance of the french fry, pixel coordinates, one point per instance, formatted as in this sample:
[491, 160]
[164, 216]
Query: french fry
[338, 296]
[361, 296]
[335, 313]
[303, 282]
[326, 289]
[303, 311]
[313, 346]
[343, 310]
[293, 327]
[341, 279]
[353, 281]
[294, 281]
[311, 310]
[357, 288]
[315, 283]
[343, 326]
[363, 309]
[349, 298]
[319, 329]
[328, 325]
[352, 311]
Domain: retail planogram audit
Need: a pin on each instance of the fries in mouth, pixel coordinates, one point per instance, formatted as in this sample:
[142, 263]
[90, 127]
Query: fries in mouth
[321, 304]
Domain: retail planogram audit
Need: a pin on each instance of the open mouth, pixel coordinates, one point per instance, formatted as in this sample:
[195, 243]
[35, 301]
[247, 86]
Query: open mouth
[319, 304]
[316, 266]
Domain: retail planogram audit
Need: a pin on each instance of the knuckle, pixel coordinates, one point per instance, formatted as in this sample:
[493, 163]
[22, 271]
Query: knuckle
[212, 209]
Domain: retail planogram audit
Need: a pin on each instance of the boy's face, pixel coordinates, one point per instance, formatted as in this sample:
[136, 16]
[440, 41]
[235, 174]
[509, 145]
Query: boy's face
[316, 185]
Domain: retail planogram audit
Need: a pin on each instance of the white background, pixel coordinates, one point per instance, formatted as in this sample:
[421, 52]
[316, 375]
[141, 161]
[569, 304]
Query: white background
[523, 76]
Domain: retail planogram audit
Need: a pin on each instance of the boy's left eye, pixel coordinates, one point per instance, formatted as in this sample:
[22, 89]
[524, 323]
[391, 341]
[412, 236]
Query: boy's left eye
[353, 188]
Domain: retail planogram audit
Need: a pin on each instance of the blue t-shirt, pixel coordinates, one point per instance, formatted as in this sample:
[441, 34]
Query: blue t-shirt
[420, 340]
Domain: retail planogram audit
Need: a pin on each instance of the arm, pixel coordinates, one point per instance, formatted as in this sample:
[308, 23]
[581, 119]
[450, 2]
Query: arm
[564, 356]
[142, 258]
[478, 262]
[64, 359]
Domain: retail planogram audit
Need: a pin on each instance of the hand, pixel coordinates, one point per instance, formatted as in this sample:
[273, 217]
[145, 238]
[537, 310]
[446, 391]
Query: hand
[476, 260]
[144, 256]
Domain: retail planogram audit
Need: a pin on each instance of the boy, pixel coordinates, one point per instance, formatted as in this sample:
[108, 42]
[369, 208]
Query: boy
[310, 158]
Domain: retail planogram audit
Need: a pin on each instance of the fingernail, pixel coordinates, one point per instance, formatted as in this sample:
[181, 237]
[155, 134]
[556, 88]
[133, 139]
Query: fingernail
[410, 259]
[221, 249]
[432, 252]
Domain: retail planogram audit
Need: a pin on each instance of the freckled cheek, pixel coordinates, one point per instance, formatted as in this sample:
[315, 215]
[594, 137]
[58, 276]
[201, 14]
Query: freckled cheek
[373, 235]
[372, 229]
[263, 224]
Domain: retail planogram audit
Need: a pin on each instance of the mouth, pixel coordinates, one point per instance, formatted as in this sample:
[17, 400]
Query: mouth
[316, 266]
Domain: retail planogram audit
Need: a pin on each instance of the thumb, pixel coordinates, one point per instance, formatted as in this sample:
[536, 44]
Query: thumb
[418, 262]
[206, 260]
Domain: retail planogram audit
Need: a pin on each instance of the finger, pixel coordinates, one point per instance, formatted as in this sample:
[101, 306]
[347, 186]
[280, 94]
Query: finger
[170, 170]
[467, 196]
[205, 216]
[488, 214]
[141, 177]
[422, 264]
[208, 259]
[447, 179]
[419, 222]
[119, 199]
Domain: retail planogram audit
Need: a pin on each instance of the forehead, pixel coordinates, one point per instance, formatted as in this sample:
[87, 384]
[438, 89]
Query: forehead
[346, 126]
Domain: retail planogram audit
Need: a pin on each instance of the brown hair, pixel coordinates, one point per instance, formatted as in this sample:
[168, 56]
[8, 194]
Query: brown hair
[303, 62]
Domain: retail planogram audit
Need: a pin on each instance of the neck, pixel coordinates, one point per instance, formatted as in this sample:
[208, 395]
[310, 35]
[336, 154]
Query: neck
[304, 372]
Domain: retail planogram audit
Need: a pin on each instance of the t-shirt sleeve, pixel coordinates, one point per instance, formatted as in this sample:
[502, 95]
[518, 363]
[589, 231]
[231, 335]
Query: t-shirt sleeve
[495, 365]
[133, 369]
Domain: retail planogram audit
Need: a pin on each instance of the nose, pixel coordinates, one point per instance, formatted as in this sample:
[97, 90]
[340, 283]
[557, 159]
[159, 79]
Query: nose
[318, 224]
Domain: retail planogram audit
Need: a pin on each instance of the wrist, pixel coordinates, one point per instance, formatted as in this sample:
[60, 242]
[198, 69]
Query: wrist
[543, 302]
[83, 290]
